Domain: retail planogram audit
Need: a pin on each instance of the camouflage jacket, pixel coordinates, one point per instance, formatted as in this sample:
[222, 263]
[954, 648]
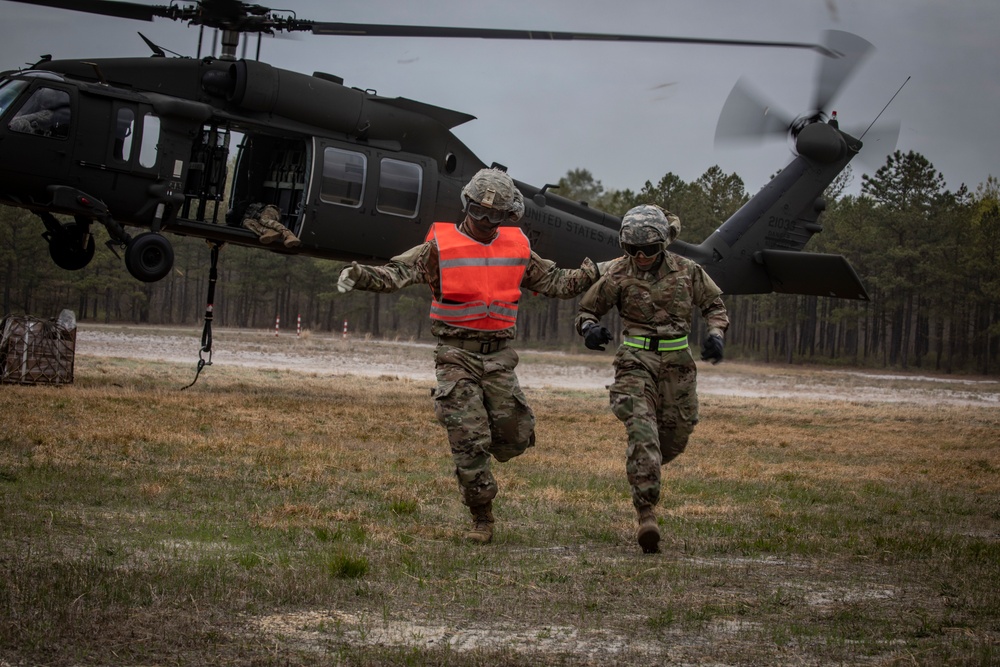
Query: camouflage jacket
[655, 303]
[419, 265]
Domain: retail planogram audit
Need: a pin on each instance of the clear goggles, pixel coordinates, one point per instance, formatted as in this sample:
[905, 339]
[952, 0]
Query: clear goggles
[644, 249]
[495, 215]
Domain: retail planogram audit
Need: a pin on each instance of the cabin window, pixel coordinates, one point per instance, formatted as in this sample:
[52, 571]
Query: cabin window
[343, 177]
[399, 187]
[45, 114]
[124, 129]
[9, 91]
[150, 139]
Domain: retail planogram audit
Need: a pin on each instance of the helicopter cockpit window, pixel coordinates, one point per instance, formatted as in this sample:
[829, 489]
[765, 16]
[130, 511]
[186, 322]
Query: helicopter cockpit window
[399, 187]
[9, 90]
[46, 114]
[150, 139]
[124, 129]
[343, 177]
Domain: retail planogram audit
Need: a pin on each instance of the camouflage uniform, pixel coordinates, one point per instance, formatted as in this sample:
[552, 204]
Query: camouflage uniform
[38, 122]
[654, 393]
[265, 222]
[46, 113]
[478, 398]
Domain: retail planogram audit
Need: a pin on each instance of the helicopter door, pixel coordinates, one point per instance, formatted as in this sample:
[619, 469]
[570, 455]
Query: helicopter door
[40, 132]
[270, 170]
[367, 202]
[118, 159]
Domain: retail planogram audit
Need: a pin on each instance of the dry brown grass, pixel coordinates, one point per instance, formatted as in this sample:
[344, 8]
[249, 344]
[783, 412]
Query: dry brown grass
[269, 517]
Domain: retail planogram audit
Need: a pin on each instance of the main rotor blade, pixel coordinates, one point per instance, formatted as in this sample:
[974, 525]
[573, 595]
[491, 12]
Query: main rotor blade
[125, 10]
[747, 116]
[833, 72]
[379, 30]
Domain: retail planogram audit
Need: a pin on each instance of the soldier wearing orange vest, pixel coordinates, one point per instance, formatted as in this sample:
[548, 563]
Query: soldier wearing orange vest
[476, 270]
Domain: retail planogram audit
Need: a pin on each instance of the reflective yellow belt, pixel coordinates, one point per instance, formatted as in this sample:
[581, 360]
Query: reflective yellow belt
[656, 344]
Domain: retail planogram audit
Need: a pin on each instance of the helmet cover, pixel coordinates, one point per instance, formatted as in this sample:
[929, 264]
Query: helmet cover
[648, 223]
[493, 188]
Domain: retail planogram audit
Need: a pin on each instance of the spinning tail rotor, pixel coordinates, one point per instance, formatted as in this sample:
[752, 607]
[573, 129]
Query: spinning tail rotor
[748, 116]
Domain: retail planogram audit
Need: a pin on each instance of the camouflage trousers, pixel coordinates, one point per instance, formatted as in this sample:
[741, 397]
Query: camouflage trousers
[655, 396]
[259, 217]
[480, 403]
[265, 222]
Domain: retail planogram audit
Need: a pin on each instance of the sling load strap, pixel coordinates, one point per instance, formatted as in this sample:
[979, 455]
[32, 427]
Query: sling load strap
[206, 334]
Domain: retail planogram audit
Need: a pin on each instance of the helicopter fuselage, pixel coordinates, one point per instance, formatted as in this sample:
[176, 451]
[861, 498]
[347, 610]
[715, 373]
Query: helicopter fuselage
[150, 143]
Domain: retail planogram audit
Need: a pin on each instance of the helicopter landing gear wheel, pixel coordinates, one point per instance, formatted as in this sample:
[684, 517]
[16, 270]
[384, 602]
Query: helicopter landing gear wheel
[72, 248]
[149, 257]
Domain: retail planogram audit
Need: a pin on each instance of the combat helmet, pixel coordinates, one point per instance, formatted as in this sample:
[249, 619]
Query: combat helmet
[491, 194]
[646, 225]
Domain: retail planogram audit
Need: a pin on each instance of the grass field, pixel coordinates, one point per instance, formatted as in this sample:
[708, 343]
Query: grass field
[266, 517]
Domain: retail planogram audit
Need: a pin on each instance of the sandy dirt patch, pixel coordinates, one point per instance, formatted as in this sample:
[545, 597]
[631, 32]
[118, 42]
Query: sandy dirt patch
[312, 630]
[336, 355]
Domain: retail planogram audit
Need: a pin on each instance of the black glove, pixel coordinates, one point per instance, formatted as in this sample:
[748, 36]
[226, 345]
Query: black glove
[711, 349]
[596, 336]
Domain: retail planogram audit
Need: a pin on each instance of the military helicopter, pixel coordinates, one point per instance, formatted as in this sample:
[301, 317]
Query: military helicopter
[146, 143]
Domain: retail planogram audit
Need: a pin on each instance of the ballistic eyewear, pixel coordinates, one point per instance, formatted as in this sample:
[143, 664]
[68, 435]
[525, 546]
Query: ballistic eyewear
[495, 215]
[646, 249]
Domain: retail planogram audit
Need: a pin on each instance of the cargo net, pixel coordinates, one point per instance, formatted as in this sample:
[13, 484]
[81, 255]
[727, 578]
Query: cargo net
[37, 351]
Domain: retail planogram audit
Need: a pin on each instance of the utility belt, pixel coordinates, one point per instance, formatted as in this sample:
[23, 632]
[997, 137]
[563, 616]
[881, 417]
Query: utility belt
[656, 344]
[475, 345]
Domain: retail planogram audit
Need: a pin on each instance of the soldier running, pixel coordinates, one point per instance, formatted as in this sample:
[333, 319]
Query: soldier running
[476, 270]
[654, 392]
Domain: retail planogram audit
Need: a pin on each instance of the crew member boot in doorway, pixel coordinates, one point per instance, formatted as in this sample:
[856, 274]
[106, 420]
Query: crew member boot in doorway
[265, 222]
[264, 235]
[270, 217]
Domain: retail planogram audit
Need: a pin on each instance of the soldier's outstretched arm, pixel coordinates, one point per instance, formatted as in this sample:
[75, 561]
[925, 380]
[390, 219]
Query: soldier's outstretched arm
[348, 277]
[416, 266]
[544, 277]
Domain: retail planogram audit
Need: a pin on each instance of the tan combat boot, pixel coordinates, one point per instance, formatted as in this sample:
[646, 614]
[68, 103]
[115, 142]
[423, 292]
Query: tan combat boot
[648, 535]
[270, 220]
[269, 236]
[482, 523]
[264, 234]
[290, 240]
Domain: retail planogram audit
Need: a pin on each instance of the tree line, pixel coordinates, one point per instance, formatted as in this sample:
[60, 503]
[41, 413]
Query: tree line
[929, 257]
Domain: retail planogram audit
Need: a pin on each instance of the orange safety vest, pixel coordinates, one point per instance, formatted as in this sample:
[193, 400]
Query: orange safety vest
[480, 282]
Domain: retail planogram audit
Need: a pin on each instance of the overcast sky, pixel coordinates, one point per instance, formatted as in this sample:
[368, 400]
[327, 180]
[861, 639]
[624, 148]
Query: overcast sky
[626, 112]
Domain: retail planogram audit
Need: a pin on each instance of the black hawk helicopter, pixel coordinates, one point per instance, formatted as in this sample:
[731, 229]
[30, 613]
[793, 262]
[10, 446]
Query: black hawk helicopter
[146, 143]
